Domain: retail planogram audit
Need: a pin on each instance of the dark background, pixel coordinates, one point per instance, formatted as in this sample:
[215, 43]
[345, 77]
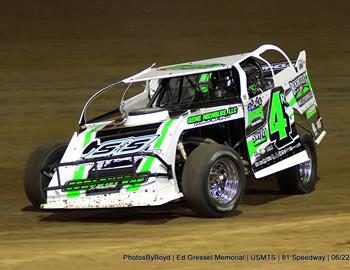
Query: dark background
[55, 54]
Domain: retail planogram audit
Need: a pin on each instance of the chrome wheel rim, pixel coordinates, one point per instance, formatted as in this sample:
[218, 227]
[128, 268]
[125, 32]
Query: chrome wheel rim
[223, 181]
[305, 169]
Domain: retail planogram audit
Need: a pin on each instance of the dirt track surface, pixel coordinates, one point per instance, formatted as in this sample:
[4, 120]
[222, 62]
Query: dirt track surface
[53, 56]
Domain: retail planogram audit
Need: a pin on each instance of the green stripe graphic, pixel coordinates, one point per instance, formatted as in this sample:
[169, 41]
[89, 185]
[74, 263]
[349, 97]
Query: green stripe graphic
[79, 172]
[148, 163]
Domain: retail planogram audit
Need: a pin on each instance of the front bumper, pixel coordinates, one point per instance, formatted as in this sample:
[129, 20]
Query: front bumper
[153, 197]
[99, 190]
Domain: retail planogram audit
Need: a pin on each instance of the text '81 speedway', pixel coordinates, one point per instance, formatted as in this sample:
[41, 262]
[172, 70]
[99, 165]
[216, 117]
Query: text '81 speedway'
[196, 131]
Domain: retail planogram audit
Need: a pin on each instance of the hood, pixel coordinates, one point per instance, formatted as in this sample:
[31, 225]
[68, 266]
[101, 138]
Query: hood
[146, 116]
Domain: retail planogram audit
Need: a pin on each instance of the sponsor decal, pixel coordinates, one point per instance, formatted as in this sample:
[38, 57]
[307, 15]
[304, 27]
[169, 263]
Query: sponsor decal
[275, 66]
[260, 136]
[103, 185]
[256, 116]
[118, 163]
[212, 116]
[255, 111]
[301, 87]
[119, 146]
[278, 155]
[297, 82]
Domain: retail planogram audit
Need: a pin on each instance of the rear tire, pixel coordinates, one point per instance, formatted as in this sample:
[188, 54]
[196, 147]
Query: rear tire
[34, 181]
[213, 180]
[300, 179]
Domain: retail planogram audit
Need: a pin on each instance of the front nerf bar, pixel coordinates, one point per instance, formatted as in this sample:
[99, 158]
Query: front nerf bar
[100, 180]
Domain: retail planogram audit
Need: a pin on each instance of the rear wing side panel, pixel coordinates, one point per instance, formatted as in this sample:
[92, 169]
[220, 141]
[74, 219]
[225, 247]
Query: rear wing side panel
[300, 96]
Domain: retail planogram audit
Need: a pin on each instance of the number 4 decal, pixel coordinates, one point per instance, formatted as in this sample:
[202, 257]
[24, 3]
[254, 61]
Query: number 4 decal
[279, 124]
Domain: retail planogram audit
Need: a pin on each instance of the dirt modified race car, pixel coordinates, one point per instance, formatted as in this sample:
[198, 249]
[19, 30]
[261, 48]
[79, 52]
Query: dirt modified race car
[196, 130]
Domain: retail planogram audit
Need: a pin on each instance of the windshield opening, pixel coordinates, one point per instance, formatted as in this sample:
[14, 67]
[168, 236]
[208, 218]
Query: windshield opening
[174, 94]
[196, 90]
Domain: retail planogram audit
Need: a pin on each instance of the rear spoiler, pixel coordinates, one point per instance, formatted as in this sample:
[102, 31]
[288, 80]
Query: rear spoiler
[276, 66]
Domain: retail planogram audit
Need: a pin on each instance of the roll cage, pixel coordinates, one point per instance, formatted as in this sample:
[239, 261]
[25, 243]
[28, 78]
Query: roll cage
[192, 72]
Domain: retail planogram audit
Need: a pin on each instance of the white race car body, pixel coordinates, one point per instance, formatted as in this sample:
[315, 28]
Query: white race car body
[133, 163]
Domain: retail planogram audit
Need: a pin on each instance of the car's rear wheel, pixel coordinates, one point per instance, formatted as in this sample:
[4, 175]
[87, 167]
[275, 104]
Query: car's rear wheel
[301, 178]
[213, 180]
[35, 182]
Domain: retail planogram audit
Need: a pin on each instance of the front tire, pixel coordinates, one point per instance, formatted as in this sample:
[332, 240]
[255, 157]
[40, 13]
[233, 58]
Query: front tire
[300, 179]
[213, 180]
[35, 182]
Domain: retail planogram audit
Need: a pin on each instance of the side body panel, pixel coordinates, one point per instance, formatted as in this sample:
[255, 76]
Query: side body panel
[272, 139]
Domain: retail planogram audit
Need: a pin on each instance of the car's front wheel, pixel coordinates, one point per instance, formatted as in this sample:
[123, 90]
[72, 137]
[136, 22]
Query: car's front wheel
[35, 182]
[213, 180]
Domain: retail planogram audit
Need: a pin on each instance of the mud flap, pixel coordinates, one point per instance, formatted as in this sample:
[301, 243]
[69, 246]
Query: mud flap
[301, 97]
[272, 139]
